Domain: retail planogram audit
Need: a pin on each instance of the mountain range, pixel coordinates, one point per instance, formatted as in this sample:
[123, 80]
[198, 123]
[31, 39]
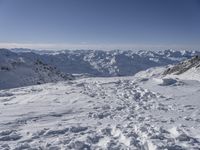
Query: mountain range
[134, 100]
[22, 67]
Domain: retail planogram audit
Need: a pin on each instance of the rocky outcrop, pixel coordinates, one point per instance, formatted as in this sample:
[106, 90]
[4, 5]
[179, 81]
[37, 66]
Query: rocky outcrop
[184, 66]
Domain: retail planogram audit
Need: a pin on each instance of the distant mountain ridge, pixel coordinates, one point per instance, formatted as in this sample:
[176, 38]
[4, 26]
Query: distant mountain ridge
[17, 71]
[23, 67]
[106, 63]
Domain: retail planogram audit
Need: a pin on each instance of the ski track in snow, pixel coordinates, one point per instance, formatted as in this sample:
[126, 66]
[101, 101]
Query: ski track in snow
[98, 113]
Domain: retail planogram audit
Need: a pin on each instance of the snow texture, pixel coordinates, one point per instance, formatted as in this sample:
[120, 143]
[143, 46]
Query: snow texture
[102, 113]
[148, 111]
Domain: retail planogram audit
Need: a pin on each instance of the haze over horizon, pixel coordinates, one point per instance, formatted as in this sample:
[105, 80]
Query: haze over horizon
[95, 24]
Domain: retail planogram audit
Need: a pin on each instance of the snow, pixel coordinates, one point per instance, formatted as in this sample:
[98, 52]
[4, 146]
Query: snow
[102, 113]
[103, 63]
[165, 81]
[192, 74]
[17, 72]
[148, 111]
[188, 70]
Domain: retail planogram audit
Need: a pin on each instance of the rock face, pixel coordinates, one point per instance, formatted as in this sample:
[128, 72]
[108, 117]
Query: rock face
[184, 66]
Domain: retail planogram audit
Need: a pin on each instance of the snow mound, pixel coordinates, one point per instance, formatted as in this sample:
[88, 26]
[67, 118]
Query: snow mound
[165, 81]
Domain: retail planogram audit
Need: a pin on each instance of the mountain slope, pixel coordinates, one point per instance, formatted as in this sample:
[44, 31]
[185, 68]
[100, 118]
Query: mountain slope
[15, 71]
[189, 69]
[20, 67]
[102, 113]
[106, 63]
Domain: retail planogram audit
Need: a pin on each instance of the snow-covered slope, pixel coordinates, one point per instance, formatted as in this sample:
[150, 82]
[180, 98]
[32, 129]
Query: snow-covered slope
[156, 109]
[135, 112]
[15, 71]
[189, 69]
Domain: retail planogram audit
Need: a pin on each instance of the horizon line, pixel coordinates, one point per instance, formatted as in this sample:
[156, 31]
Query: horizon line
[86, 46]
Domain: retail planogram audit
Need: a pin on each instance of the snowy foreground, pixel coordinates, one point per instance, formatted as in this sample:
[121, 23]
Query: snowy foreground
[143, 112]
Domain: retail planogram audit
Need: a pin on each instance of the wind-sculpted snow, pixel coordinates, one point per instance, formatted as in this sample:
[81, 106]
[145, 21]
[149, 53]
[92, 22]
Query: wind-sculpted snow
[101, 113]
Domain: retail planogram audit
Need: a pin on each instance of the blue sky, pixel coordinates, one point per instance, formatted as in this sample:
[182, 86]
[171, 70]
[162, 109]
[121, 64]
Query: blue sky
[100, 24]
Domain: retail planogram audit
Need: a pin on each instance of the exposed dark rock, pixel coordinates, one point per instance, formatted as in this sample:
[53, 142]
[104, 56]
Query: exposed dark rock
[183, 66]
